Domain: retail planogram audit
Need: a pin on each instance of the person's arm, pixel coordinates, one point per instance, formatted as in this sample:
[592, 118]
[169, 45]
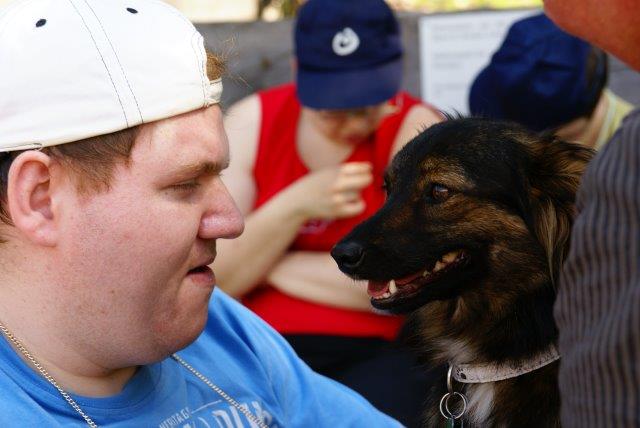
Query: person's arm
[330, 193]
[419, 118]
[598, 303]
[315, 276]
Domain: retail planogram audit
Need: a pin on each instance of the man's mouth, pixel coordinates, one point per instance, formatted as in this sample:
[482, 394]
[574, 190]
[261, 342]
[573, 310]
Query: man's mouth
[202, 273]
[408, 286]
[199, 269]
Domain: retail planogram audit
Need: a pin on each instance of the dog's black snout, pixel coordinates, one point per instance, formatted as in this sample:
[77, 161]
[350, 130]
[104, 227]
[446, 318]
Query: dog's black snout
[348, 254]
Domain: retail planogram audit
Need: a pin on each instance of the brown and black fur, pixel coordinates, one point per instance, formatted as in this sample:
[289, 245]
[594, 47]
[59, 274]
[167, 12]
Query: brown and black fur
[510, 208]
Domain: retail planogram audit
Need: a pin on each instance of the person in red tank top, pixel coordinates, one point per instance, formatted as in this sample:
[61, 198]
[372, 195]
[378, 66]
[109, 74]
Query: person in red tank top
[308, 161]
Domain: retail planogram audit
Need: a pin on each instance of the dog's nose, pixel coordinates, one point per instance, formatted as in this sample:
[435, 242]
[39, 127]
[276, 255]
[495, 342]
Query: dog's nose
[348, 254]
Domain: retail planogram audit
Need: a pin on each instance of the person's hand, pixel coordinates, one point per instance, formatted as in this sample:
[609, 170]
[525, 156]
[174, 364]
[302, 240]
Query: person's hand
[332, 193]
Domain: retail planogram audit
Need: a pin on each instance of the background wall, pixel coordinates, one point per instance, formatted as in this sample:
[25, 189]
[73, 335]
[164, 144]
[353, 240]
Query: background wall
[259, 56]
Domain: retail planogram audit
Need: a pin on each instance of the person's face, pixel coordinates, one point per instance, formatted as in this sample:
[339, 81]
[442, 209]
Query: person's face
[136, 255]
[568, 14]
[606, 24]
[350, 126]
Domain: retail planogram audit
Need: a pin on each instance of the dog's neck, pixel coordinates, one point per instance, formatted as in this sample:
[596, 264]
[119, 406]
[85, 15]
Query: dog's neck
[489, 323]
[486, 373]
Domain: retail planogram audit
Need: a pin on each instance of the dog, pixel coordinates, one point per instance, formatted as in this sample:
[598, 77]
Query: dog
[470, 242]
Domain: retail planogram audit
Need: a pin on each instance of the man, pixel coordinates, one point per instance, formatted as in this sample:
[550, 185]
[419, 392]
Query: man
[113, 146]
[598, 304]
[549, 80]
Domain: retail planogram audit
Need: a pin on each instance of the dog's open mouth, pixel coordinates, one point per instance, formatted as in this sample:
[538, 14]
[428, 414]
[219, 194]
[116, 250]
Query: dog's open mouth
[383, 292]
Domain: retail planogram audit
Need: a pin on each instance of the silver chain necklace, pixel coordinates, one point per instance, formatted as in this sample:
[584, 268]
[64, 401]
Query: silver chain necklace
[88, 420]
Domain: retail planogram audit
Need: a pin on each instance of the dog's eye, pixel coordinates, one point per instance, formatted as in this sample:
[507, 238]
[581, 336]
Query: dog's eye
[439, 193]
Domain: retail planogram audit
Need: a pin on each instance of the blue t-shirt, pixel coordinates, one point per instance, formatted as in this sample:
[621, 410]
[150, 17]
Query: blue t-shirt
[237, 351]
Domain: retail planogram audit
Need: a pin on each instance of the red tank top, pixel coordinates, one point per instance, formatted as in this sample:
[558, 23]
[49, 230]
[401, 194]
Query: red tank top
[277, 166]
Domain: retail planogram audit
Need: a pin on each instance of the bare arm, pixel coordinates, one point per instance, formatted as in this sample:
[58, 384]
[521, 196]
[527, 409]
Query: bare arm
[330, 193]
[417, 120]
[314, 276]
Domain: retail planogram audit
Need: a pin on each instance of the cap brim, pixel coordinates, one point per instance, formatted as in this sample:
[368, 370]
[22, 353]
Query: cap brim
[350, 88]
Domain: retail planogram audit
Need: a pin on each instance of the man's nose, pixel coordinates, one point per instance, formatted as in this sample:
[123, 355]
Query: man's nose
[222, 220]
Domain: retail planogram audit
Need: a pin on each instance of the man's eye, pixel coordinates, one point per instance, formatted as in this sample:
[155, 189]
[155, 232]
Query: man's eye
[189, 185]
[438, 193]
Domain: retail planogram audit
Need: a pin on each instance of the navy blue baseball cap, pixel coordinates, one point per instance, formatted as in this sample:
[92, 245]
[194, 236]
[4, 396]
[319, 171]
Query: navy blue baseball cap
[538, 77]
[349, 53]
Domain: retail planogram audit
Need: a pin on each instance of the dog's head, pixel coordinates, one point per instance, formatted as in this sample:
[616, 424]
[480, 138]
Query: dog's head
[468, 201]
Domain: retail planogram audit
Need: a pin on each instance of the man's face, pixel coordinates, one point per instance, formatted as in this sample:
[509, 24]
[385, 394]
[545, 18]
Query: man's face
[136, 255]
[599, 22]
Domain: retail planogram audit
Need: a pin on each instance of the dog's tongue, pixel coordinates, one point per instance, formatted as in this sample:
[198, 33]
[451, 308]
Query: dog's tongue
[377, 288]
[408, 279]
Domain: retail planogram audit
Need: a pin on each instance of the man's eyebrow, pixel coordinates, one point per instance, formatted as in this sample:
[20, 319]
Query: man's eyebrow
[203, 168]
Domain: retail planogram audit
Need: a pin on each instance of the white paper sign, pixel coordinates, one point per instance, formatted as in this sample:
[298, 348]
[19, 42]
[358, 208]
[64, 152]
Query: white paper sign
[455, 47]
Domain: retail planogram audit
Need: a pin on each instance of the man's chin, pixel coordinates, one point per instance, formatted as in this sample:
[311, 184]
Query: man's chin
[180, 336]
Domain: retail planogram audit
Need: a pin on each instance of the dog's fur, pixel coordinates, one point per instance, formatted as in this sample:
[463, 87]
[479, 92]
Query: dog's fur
[509, 207]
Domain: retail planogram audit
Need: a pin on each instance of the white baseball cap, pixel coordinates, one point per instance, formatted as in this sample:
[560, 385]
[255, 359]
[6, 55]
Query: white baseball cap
[74, 69]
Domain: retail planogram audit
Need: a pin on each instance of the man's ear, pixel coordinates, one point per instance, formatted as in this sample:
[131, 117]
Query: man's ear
[29, 197]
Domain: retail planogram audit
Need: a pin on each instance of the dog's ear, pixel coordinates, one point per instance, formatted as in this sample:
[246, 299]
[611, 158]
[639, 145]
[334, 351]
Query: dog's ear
[554, 177]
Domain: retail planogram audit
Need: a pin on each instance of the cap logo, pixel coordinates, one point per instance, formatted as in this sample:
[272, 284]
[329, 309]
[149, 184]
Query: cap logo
[345, 42]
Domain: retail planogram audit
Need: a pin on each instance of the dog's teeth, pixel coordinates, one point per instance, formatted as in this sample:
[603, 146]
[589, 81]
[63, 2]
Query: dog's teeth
[393, 288]
[383, 296]
[449, 257]
[439, 265]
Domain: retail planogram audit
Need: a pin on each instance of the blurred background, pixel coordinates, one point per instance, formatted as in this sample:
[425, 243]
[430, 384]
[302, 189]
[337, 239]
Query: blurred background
[446, 43]
[273, 10]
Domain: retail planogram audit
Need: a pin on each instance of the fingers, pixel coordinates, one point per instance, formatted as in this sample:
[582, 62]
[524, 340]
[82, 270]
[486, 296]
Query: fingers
[353, 176]
[341, 198]
[356, 168]
[351, 179]
[333, 192]
[348, 204]
[353, 208]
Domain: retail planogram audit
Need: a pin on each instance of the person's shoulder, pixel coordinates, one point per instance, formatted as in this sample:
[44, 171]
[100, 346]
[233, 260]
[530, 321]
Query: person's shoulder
[248, 111]
[20, 403]
[623, 147]
[633, 117]
[244, 109]
[229, 317]
[424, 113]
[245, 346]
[419, 112]
[418, 117]
[629, 130]
[242, 125]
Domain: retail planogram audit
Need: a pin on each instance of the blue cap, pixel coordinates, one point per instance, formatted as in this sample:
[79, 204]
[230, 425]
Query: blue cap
[349, 53]
[538, 77]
